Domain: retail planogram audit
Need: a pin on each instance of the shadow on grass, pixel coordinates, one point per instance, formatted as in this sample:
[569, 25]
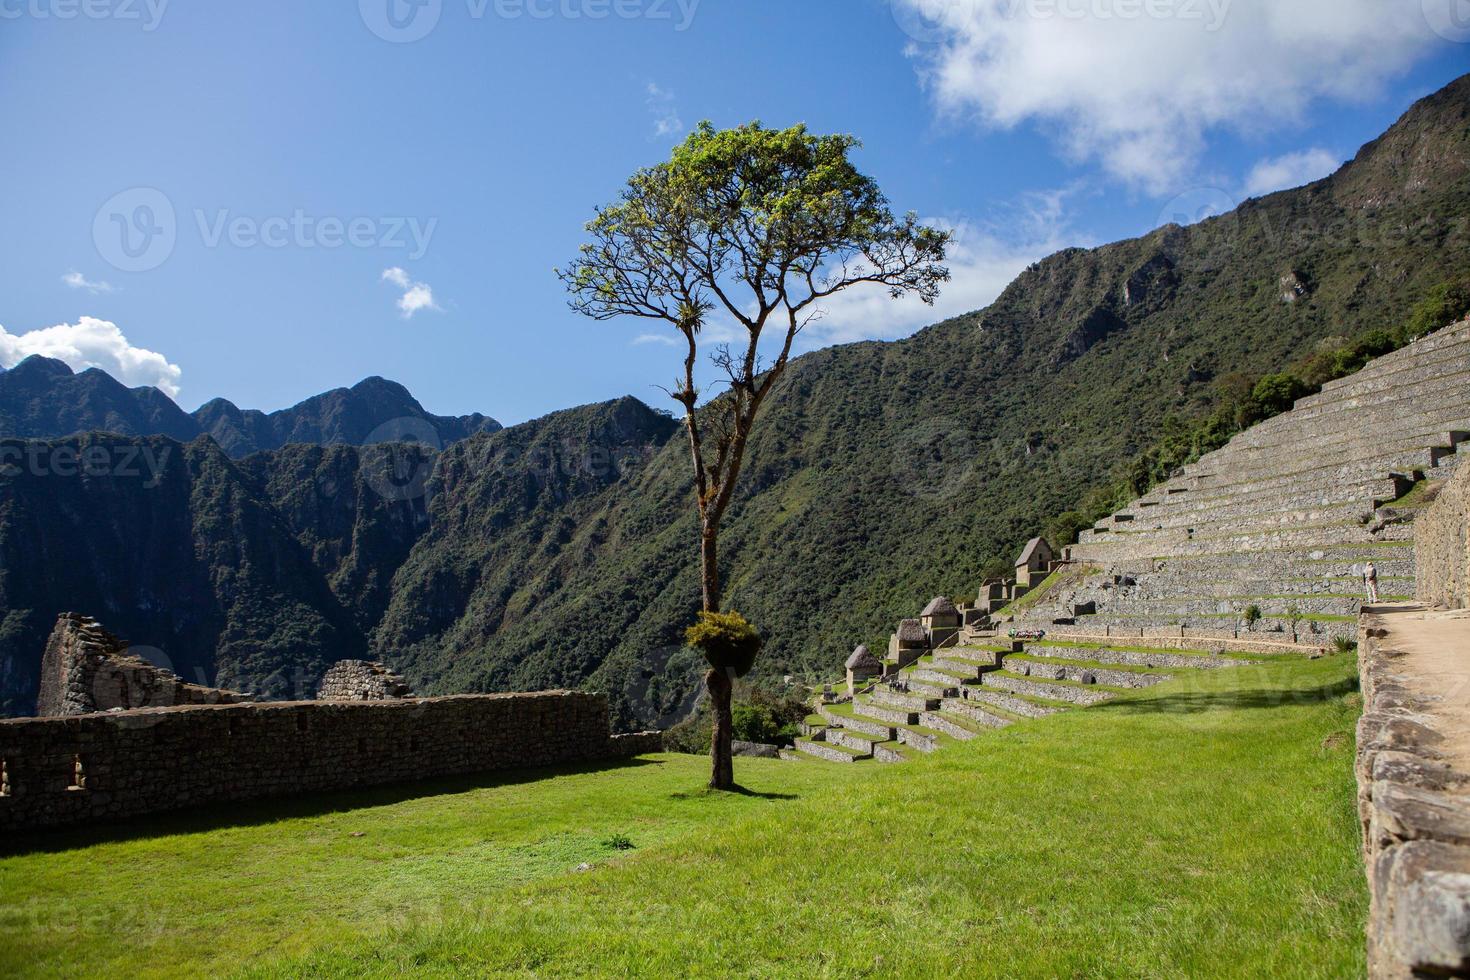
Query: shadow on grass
[215, 816]
[737, 790]
[1192, 702]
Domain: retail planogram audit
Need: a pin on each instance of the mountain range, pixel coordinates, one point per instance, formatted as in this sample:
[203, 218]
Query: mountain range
[561, 552]
[42, 398]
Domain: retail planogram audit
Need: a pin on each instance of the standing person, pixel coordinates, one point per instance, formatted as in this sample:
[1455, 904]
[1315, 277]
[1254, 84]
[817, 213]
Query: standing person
[1370, 576]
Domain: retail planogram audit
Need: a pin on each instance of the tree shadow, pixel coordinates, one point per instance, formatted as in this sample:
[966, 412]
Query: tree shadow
[1193, 702]
[216, 816]
[736, 790]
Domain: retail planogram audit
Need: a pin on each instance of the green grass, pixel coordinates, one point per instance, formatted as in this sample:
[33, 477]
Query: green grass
[1204, 827]
[1418, 496]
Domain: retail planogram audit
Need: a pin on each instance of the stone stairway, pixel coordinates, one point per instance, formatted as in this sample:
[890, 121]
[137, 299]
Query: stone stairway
[962, 693]
[1269, 534]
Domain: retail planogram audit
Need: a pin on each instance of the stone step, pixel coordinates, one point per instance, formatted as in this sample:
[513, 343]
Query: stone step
[1052, 690]
[890, 716]
[1317, 632]
[933, 674]
[949, 725]
[829, 753]
[977, 712]
[791, 755]
[930, 689]
[891, 752]
[1008, 702]
[853, 721]
[1084, 672]
[1228, 610]
[852, 739]
[1448, 412]
[1141, 657]
[1320, 474]
[920, 741]
[1178, 544]
[1394, 558]
[963, 668]
[907, 702]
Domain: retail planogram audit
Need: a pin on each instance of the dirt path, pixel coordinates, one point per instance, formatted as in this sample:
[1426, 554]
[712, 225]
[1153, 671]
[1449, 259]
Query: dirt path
[1436, 663]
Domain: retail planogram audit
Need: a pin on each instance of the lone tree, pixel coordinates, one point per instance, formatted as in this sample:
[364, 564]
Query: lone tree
[756, 227]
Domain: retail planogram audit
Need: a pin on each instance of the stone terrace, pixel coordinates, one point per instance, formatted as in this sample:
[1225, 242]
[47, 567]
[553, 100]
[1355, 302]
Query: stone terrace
[1286, 515]
[958, 693]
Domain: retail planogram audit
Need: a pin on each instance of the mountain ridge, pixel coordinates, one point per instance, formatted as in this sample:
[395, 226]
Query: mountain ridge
[44, 398]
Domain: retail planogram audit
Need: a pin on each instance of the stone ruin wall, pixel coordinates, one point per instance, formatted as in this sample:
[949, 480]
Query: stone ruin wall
[1416, 829]
[108, 766]
[1441, 551]
[361, 680]
[86, 669]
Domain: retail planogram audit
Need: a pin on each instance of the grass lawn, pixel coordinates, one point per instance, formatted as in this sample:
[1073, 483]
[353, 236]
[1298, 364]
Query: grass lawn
[1203, 827]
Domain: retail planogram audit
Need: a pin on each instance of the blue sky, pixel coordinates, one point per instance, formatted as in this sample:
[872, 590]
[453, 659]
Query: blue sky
[464, 163]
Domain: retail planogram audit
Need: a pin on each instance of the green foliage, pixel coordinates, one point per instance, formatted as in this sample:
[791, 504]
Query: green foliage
[1341, 644]
[1446, 303]
[758, 715]
[1252, 615]
[1276, 393]
[727, 640]
[768, 209]
[1063, 529]
[619, 842]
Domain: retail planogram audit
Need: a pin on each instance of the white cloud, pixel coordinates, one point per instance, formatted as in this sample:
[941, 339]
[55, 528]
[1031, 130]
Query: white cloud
[983, 259]
[90, 343]
[665, 113]
[76, 280]
[1139, 84]
[655, 338]
[416, 295]
[1290, 170]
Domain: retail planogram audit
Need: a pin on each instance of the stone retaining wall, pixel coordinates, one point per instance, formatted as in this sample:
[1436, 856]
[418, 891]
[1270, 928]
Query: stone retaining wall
[1440, 546]
[108, 766]
[1416, 825]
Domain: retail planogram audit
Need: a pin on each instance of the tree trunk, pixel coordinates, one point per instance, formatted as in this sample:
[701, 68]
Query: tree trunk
[722, 767]
[717, 681]
[709, 567]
